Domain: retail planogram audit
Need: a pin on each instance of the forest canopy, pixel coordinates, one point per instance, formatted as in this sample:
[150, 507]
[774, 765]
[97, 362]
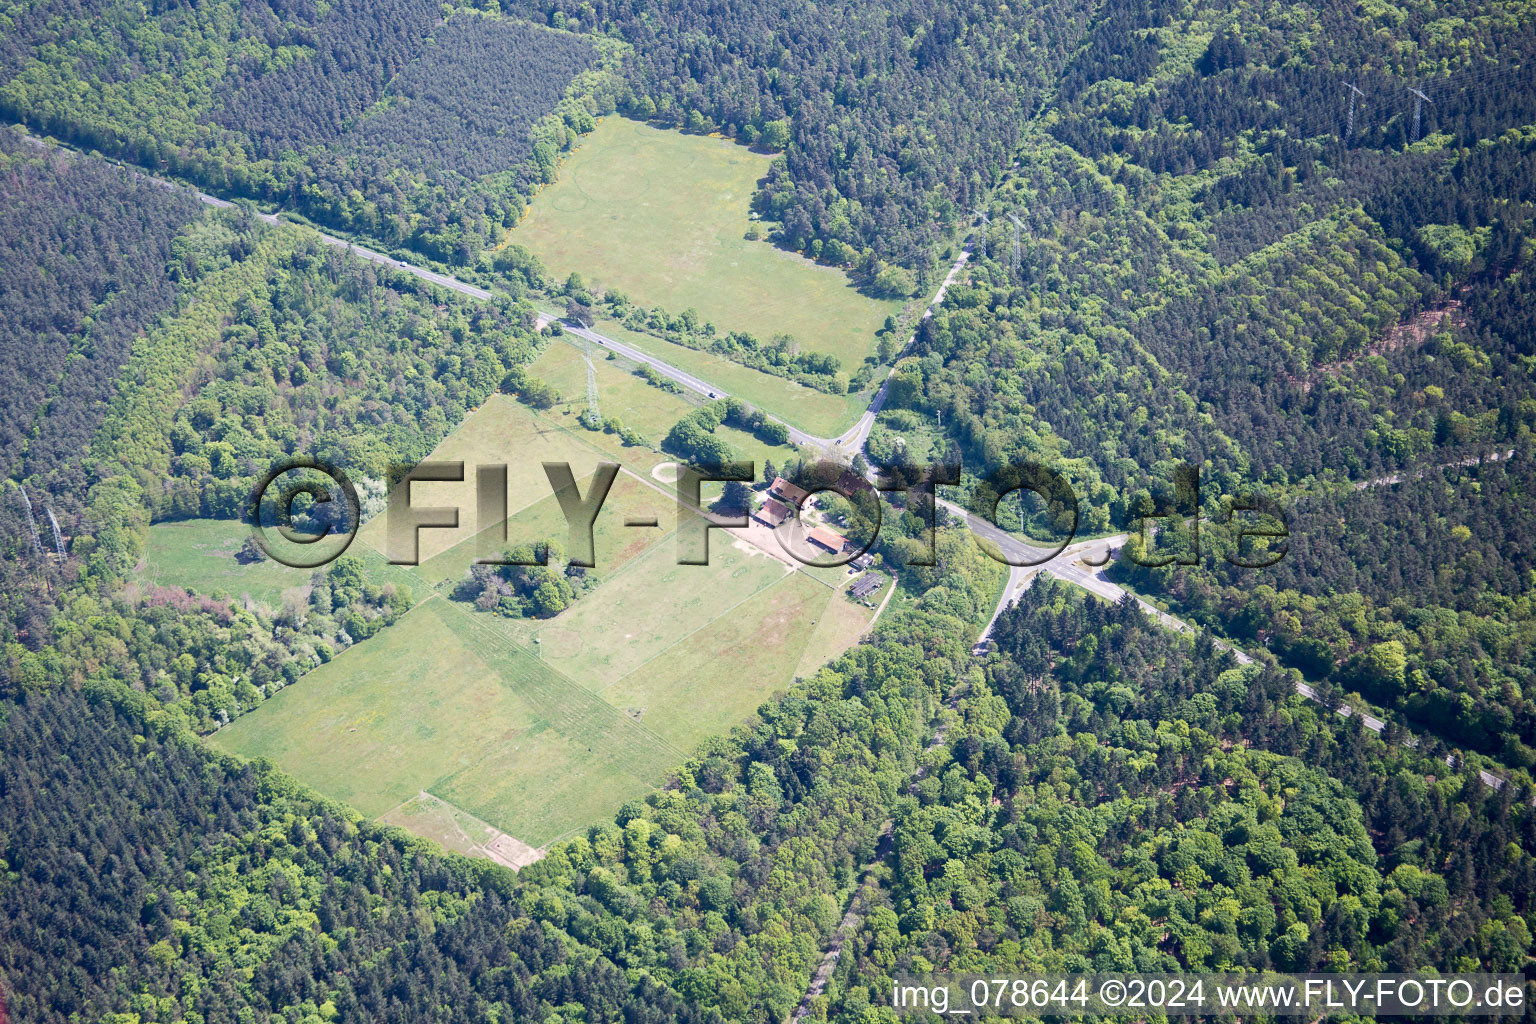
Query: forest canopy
[367, 117]
[1188, 246]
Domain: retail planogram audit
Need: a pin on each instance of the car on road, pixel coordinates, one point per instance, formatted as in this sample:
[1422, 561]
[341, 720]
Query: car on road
[403, 263]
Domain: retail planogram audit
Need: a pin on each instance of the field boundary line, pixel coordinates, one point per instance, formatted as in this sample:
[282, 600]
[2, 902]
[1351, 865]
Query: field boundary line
[510, 515]
[510, 512]
[655, 485]
[563, 836]
[447, 777]
[830, 586]
[468, 841]
[454, 809]
[564, 681]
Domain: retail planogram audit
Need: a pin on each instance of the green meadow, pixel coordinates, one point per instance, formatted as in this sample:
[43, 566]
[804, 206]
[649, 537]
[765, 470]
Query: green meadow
[662, 217]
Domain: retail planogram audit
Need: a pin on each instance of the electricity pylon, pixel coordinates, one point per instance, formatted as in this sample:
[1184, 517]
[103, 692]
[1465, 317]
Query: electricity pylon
[1418, 106]
[1014, 260]
[586, 353]
[1349, 133]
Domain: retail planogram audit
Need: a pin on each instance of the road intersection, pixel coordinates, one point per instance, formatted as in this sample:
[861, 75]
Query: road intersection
[1068, 565]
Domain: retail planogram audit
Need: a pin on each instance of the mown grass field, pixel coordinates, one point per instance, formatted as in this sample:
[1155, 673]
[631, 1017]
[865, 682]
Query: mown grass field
[435, 704]
[538, 727]
[199, 554]
[503, 431]
[839, 625]
[661, 216]
[716, 676]
[386, 718]
[645, 609]
[614, 545]
[452, 828]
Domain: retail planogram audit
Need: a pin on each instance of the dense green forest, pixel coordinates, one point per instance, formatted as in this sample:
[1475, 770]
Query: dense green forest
[359, 366]
[73, 292]
[145, 881]
[1210, 272]
[894, 120]
[1219, 264]
[1416, 595]
[377, 118]
[275, 345]
[1115, 797]
[1220, 258]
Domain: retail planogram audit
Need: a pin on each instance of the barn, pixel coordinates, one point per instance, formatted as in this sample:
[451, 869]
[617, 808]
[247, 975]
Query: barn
[829, 539]
[771, 514]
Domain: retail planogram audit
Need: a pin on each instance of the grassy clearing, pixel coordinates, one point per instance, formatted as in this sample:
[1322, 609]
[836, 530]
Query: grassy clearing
[540, 727]
[621, 394]
[199, 555]
[815, 412]
[500, 432]
[387, 718]
[841, 622]
[643, 610]
[581, 761]
[614, 544]
[718, 675]
[437, 703]
[450, 827]
[661, 216]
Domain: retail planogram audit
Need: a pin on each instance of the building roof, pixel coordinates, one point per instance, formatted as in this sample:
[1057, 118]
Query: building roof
[789, 492]
[851, 483]
[772, 512]
[866, 584]
[829, 539]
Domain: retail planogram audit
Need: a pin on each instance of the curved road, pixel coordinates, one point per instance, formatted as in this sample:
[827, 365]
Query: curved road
[1070, 566]
[847, 444]
[1067, 565]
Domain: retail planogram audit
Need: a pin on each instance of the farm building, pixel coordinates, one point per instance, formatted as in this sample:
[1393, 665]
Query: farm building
[787, 492]
[829, 539]
[771, 514]
[866, 585]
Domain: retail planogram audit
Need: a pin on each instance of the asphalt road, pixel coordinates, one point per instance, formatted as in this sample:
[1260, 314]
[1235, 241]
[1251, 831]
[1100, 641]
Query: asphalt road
[1070, 567]
[451, 283]
[852, 441]
[702, 388]
[846, 445]
[1066, 565]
